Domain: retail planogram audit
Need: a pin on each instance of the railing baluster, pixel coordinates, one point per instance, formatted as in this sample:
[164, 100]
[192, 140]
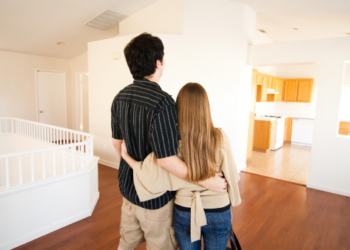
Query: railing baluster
[12, 126]
[73, 159]
[81, 157]
[60, 136]
[32, 166]
[44, 174]
[6, 126]
[54, 162]
[56, 136]
[20, 169]
[7, 172]
[64, 161]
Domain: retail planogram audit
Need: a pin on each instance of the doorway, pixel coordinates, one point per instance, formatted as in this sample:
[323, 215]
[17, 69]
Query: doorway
[51, 101]
[82, 101]
[283, 101]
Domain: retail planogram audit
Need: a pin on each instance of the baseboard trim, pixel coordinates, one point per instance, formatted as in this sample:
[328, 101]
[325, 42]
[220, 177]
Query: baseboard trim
[51, 228]
[328, 189]
[302, 144]
[109, 164]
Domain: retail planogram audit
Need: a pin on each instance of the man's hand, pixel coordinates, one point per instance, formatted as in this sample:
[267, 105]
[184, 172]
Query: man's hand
[217, 184]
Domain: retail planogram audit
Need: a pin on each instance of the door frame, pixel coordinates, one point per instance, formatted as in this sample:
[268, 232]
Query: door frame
[37, 92]
[77, 92]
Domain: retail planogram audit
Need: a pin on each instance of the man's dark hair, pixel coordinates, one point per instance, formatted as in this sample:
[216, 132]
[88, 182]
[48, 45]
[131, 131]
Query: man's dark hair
[142, 53]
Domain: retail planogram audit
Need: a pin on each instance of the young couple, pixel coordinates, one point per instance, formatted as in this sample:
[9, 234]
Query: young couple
[171, 150]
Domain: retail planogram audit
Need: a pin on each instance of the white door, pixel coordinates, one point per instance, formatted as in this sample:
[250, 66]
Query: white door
[52, 98]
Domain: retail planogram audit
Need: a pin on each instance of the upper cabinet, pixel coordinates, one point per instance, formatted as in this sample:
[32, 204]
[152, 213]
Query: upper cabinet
[305, 88]
[279, 89]
[298, 90]
[289, 90]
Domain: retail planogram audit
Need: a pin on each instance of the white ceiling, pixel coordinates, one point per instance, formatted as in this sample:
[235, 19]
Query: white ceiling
[315, 19]
[35, 26]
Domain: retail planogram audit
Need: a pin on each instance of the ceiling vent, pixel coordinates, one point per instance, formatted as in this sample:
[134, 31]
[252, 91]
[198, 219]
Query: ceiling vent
[106, 20]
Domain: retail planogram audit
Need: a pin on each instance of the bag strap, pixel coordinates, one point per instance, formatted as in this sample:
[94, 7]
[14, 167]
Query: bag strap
[234, 242]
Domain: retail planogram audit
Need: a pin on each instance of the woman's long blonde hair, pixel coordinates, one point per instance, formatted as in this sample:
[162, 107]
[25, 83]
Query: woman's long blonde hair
[200, 139]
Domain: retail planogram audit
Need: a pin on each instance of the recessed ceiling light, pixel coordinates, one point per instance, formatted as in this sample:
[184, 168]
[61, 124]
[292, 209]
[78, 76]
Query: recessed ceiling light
[295, 29]
[347, 34]
[263, 31]
[61, 43]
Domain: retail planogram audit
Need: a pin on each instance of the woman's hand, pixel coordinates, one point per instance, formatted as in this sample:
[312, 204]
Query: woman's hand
[217, 184]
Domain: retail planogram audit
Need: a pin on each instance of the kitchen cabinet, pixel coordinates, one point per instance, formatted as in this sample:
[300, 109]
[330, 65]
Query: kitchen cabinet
[290, 90]
[259, 80]
[288, 125]
[305, 87]
[271, 81]
[264, 135]
[279, 89]
[261, 93]
[344, 128]
[272, 134]
[298, 90]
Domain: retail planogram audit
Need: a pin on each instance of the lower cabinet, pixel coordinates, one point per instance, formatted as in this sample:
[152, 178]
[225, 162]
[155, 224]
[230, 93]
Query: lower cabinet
[264, 135]
[288, 125]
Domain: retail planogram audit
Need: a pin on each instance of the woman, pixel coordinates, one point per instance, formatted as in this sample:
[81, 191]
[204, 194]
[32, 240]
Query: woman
[206, 150]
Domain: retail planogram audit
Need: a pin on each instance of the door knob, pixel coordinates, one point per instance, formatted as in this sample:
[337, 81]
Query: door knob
[41, 111]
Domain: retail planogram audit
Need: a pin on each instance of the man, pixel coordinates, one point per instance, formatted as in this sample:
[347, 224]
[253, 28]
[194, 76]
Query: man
[145, 117]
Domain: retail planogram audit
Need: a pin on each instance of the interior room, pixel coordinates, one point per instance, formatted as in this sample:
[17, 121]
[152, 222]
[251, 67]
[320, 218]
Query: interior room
[285, 104]
[277, 77]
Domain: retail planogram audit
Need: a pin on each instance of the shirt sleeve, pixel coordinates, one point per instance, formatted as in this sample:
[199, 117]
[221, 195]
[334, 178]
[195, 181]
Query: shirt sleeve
[229, 169]
[116, 132]
[164, 137]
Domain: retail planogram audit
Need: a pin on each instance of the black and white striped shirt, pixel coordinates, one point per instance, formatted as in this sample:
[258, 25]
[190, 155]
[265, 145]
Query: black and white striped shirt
[145, 117]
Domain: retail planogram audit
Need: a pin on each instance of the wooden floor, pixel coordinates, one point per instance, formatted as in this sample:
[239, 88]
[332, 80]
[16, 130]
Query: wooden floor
[289, 163]
[274, 215]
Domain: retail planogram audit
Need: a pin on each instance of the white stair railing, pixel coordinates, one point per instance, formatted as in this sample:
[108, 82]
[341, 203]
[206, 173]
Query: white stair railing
[63, 151]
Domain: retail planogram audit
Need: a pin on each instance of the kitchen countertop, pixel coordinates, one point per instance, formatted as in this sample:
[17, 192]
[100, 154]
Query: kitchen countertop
[261, 118]
[283, 116]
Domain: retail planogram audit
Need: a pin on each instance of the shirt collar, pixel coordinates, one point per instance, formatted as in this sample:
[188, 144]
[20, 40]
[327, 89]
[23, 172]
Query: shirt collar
[147, 82]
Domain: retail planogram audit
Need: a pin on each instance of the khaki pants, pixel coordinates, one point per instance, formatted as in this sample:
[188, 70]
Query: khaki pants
[153, 226]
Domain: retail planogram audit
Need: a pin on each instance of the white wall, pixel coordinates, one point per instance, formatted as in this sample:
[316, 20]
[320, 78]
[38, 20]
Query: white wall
[347, 73]
[211, 51]
[164, 16]
[290, 108]
[77, 64]
[330, 161]
[17, 83]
